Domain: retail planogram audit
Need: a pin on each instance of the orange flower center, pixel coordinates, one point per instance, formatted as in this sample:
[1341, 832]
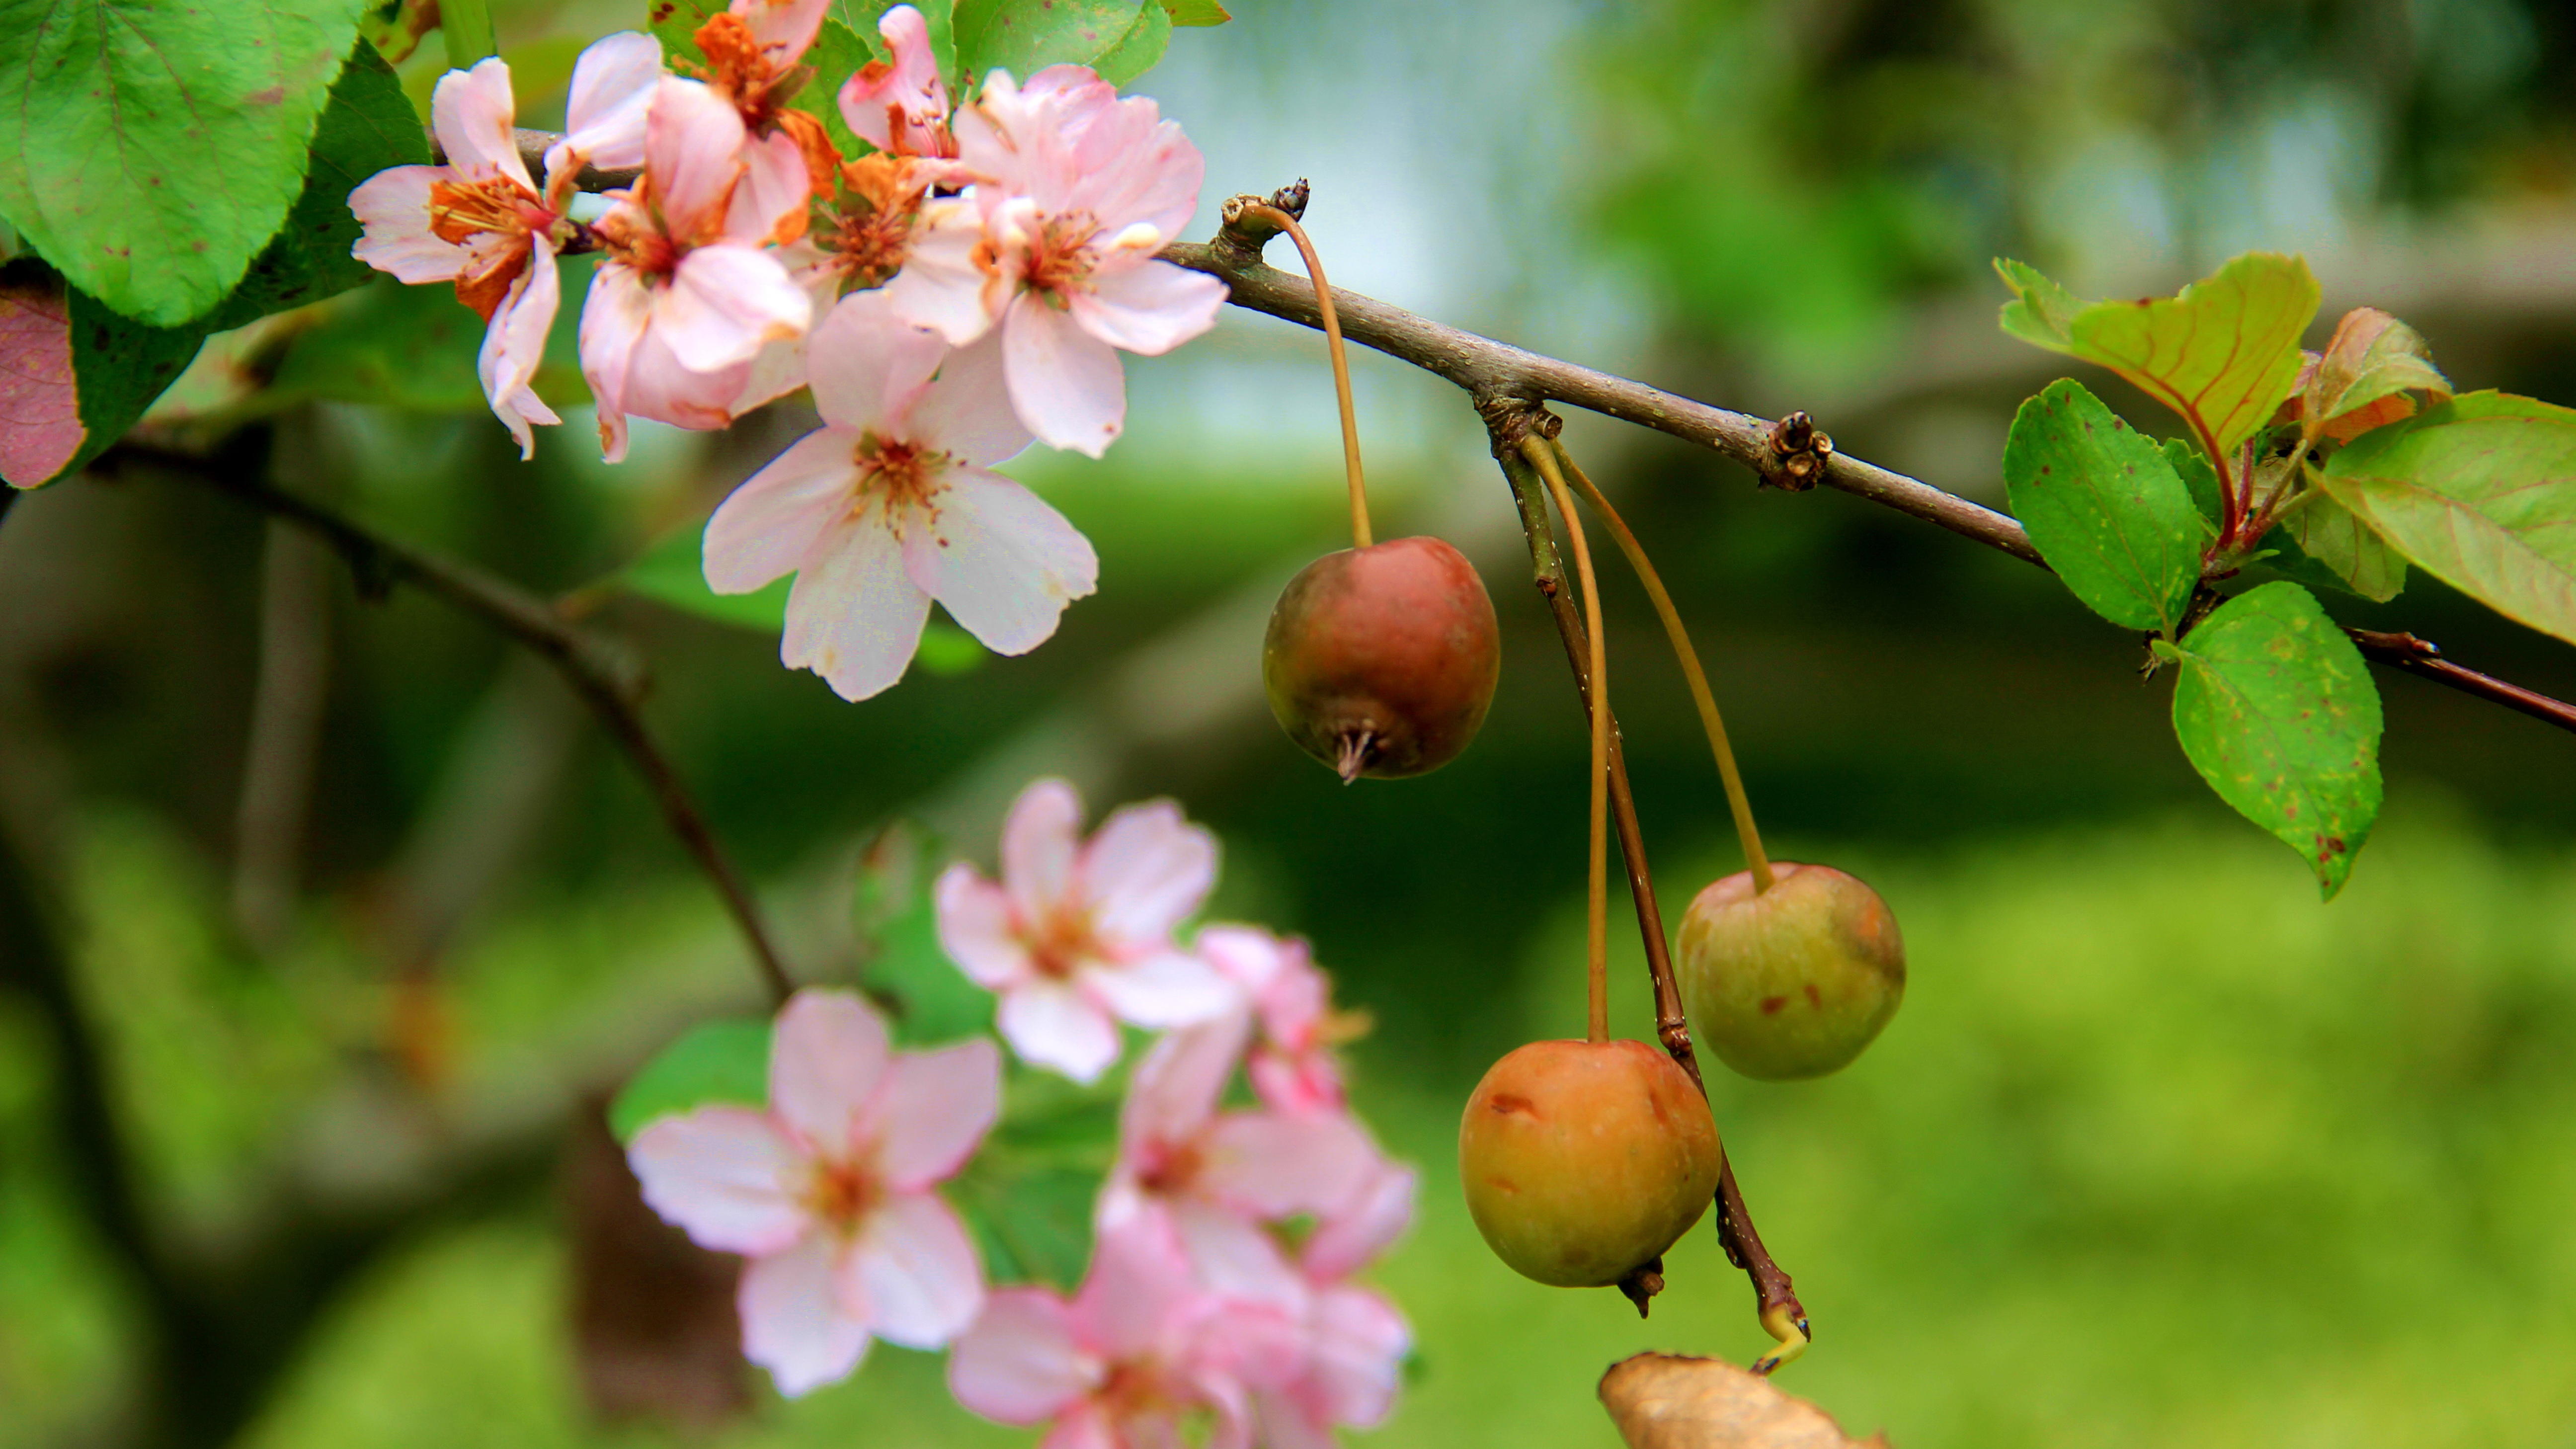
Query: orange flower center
[1059, 257]
[1061, 943]
[841, 1194]
[1171, 1169]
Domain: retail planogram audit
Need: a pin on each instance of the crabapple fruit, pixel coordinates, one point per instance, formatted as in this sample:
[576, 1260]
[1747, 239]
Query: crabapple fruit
[1792, 981]
[1381, 661]
[1583, 1161]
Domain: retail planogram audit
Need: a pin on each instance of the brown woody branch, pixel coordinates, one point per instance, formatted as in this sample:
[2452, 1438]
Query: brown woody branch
[603, 678]
[1503, 379]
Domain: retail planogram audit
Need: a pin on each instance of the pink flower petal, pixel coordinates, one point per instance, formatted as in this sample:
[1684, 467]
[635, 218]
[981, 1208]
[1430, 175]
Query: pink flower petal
[922, 1281]
[612, 89]
[1138, 1295]
[934, 1110]
[945, 283]
[659, 387]
[1089, 1425]
[1020, 1363]
[1275, 1164]
[724, 302]
[1166, 989]
[967, 412]
[693, 140]
[766, 529]
[1149, 308]
[975, 929]
[1249, 955]
[1357, 1348]
[393, 207]
[827, 1058]
[1307, 1080]
[1236, 1259]
[726, 1175]
[867, 365]
[514, 346]
[770, 201]
[999, 559]
[472, 113]
[1066, 384]
[1351, 1235]
[1288, 1418]
[613, 320]
[853, 617]
[1174, 1093]
[796, 1321]
[893, 105]
[1038, 848]
[1049, 1024]
[783, 28]
[1136, 169]
[1145, 871]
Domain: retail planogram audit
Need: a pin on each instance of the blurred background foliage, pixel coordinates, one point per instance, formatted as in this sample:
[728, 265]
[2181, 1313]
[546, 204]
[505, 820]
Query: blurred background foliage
[2159, 1152]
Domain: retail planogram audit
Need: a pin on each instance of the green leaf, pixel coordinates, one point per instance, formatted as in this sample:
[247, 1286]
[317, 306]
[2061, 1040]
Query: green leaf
[1026, 36]
[1196, 12]
[2105, 508]
[934, 1001]
[2223, 353]
[121, 365]
[1030, 1191]
[150, 150]
[2192, 466]
[368, 126]
[1138, 50]
[404, 347]
[2346, 554]
[938, 16]
[2276, 710]
[714, 1063]
[2481, 493]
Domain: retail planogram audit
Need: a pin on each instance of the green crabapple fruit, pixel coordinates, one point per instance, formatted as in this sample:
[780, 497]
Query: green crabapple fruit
[1583, 1161]
[1381, 661]
[1793, 981]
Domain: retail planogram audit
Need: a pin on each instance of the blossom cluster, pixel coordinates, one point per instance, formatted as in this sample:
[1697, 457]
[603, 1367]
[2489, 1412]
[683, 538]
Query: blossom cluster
[961, 288]
[1220, 1290]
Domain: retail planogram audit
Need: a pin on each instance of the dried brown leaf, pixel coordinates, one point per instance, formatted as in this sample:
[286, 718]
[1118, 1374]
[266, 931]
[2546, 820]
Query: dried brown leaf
[1672, 1401]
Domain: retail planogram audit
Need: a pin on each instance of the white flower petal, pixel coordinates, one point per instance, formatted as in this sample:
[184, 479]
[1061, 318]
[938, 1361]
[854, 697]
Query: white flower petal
[1066, 384]
[999, 559]
[1049, 1024]
[923, 1282]
[867, 364]
[796, 1322]
[934, 1111]
[942, 285]
[693, 140]
[854, 617]
[1167, 989]
[514, 346]
[1144, 873]
[975, 929]
[1149, 308]
[473, 115]
[967, 413]
[393, 207]
[724, 302]
[768, 527]
[827, 1057]
[612, 88]
[1020, 1363]
[1039, 847]
[726, 1175]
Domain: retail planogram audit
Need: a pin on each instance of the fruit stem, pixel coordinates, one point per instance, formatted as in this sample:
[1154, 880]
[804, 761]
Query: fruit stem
[1782, 1322]
[1360, 536]
[1597, 924]
[1736, 800]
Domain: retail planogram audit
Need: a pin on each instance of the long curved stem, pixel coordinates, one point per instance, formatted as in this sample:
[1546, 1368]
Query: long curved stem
[1360, 535]
[1736, 800]
[1597, 922]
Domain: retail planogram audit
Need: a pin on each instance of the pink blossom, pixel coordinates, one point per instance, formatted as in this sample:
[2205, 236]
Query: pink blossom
[1054, 245]
[1138, 1352]
[689, 292]
[1212, 1179]
[900, 105]
[1077, 937]
[1354, 1341]
[829, 1190]
[893, 504]
[1293, 1067]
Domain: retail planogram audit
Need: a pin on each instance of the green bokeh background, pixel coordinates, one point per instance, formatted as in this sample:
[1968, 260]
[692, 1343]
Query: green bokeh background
[2159, 1151]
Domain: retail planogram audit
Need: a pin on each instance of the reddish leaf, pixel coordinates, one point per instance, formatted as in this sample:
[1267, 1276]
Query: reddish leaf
[40, 425]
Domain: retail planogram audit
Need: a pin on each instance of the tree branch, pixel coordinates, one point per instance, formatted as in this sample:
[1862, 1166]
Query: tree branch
[605, 681]
[1503, 379]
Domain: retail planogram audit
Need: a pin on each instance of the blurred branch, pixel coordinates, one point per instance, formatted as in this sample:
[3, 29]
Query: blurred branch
[604, 680]
[1505, 381]
[285, 731]
[1775, 1300]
